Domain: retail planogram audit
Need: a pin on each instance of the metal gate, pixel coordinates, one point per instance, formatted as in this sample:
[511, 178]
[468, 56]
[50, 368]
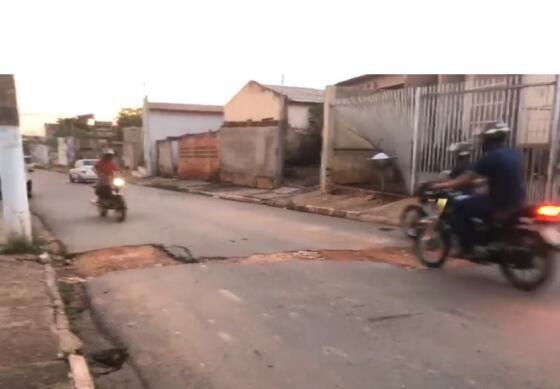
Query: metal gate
[456, 112]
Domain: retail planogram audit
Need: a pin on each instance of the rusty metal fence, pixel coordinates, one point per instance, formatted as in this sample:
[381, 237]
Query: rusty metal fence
[417, 125]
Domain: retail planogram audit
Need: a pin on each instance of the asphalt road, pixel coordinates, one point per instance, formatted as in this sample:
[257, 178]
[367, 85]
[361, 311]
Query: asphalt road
[208, 227]
[320, 324]
[300, 324]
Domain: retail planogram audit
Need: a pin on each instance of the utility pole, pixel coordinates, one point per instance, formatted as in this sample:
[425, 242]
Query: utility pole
[17, 218]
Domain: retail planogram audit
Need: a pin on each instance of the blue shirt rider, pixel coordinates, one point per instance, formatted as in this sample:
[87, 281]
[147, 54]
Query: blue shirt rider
[503, 169]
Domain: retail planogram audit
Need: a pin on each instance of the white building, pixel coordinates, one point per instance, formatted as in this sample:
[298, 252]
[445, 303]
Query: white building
[163, 120]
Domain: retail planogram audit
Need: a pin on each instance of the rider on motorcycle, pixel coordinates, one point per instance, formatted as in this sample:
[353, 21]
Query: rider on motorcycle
[462, 153]
[105, 169]
[502, 168]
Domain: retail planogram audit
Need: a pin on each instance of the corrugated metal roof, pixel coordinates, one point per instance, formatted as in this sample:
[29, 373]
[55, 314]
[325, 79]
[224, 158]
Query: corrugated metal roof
[298, 94]
[185, 107]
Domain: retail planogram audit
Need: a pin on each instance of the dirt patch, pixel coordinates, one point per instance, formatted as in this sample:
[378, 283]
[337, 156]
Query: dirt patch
[279, 257]
[397, 256]
[99, 262]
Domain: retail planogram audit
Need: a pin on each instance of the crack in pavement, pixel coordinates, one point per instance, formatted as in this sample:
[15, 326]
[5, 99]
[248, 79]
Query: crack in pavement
[377, 319]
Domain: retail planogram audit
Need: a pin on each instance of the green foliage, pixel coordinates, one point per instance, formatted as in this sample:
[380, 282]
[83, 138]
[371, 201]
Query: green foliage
[73, 307]
[129, 117]
[17, 244]
[77, 127]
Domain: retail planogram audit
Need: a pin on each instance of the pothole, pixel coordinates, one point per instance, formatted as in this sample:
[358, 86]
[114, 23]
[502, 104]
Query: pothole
[398, 256]
[98, 262]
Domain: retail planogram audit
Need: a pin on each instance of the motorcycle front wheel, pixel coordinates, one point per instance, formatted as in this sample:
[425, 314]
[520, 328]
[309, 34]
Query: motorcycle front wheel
[432, 245]
[409, 219]
[102, 211]
[120, 210]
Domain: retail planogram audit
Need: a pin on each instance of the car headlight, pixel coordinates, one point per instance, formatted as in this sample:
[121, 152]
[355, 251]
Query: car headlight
[118, 182]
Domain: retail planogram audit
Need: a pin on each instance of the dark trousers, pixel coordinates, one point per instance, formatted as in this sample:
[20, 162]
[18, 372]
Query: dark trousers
[463, 212]
[103, 191]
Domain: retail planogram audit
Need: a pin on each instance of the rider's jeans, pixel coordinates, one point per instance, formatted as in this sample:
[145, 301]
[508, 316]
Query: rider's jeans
[465, 210]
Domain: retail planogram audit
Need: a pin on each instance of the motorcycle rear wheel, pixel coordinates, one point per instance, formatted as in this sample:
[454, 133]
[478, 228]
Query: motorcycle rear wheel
[432, 245]
[540, 270]
[120, 210]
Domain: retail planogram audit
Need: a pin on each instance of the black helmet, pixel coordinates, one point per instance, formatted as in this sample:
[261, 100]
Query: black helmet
[494, 135]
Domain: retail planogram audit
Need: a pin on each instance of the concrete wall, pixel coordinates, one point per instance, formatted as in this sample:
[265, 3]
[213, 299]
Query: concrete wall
[40, 154]
[301, 146]
[62, 148]
[159, 125]
[298, 115]
[174, 143]
[133, 151]
[359, 131]
[251, 156]
[254, 103]
[165, 159]
[132, 134]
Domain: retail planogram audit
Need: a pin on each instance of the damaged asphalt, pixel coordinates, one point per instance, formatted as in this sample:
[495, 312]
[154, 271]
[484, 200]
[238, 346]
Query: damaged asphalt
[326, 324]
[268, 321]
[208, 227]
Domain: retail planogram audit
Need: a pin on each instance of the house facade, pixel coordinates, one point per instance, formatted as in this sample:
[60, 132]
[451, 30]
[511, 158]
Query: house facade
[164, 120]
[265, 128]
[257, 102]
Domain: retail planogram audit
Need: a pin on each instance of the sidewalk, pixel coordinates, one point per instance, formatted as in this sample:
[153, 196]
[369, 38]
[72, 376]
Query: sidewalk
[30, 356]
[34, 333]
[345, 202]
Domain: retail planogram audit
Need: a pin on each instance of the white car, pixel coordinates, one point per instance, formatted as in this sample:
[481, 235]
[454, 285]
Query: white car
[83, 171]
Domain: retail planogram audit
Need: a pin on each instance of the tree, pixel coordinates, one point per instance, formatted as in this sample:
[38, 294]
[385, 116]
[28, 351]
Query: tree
[129, 117]
[76, 126]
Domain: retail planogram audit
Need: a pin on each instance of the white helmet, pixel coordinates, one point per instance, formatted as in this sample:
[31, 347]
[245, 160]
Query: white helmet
[108, 151]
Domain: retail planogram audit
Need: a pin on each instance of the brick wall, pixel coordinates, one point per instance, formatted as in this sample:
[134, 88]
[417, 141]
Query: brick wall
[199, 156]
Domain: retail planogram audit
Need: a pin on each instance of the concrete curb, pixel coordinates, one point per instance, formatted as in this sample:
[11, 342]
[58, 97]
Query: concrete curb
[69, 344]
[287, 204]
[54, 246]
[80, 372]
[325, 211]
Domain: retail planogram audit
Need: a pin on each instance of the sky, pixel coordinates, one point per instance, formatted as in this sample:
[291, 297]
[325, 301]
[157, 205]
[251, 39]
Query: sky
[97, 56]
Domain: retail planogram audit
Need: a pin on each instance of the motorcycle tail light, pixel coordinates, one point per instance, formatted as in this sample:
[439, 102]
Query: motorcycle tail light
[548, 212]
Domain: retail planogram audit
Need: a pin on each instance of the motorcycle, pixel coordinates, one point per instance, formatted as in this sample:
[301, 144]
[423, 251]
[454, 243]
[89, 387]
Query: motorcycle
[523, 246]
[113, 200]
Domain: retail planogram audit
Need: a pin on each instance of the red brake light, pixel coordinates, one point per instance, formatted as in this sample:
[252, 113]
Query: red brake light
[548, 212]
